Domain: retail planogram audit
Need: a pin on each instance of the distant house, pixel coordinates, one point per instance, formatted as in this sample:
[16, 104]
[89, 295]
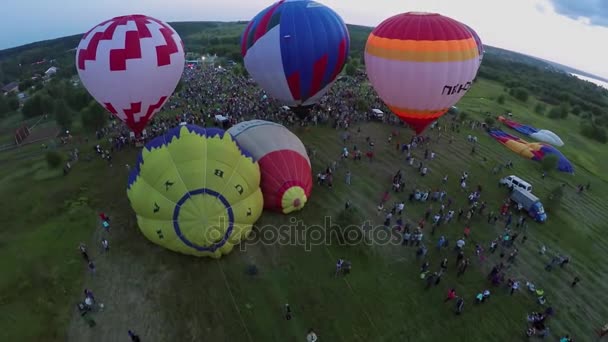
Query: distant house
[12, 87]
[22, 97]
[50, 72]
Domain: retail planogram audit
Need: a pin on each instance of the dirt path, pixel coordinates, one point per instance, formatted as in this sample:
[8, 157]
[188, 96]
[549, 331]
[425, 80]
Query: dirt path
[127, 290]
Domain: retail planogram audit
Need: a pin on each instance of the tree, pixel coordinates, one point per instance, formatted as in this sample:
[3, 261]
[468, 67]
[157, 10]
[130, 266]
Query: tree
[25, 85]
[594, 132]
[361, 104]
[540, 108]
[564, 109]
[576, 110]
[53, 159]
[32, 107]
[489, 120]
[94, 117]
[560, 112]
[350, 69]
[77, 99]
[4, 107]
[63, 114]
[501, 99]
[549, 163]
[521, 94]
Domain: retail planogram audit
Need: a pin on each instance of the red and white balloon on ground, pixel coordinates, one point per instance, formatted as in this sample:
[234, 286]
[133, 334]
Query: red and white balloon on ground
[131, 66]
[286, 171]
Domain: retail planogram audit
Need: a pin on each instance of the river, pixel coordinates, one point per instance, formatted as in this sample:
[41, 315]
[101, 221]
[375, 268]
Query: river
[592, 80]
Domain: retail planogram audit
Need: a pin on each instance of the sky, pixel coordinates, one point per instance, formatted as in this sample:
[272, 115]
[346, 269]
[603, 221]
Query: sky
[570, 32]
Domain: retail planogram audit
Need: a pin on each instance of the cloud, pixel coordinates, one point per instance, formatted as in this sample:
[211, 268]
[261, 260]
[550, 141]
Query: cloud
[594, 12]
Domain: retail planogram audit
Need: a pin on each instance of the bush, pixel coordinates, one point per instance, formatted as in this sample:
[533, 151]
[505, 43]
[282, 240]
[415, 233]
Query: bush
[521, 94]
[549, 163]
[350, 69]
[501, 99]
[489, 121]
[594, 132]
[560, 112]
[53, 159]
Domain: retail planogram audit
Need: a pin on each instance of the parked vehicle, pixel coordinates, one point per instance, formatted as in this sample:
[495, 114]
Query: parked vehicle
[377, 114]
[514, 182]
[531, 204]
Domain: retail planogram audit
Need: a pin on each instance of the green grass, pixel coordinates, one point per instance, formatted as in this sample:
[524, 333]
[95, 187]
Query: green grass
[165, 296]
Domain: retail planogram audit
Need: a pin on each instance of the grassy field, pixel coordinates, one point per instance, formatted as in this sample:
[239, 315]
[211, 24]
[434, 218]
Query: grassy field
[165, 297]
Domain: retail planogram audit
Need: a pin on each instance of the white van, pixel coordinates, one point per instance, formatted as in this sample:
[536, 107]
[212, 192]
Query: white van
[516, 182]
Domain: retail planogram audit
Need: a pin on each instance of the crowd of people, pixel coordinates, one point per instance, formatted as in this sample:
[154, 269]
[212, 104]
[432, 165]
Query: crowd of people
[210, 91]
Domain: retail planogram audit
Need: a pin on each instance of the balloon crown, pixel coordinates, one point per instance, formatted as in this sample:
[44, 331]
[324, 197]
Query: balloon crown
[422, 13]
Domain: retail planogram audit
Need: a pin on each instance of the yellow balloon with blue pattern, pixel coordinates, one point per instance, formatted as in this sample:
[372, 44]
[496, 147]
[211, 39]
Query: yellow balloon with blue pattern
[195, 191]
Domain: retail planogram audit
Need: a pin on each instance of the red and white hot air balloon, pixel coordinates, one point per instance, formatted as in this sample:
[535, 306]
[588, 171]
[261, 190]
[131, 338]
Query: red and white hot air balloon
[286, 173]
[131, 66]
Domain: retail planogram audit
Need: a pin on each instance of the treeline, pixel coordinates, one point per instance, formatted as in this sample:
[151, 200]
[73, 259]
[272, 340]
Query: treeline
[224, 39]
[66, 103]
[549, 86]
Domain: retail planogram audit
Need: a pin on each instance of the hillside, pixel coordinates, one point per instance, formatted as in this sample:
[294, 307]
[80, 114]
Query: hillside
[538, 62]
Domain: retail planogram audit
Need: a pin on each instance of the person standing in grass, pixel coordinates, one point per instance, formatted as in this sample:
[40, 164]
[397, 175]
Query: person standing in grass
[575, 281]
[105, 244]
[348, 177]
[83, 251]
[91, 266]
[514, 286]
[311, 336]
[465, 264]
[287, 312]
[459, 305]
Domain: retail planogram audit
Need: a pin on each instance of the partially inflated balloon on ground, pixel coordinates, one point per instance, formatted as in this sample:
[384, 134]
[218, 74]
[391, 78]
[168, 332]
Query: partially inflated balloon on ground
[284, 163]
[421, 64]
[294, 50]
[131, 66]
[195, 191]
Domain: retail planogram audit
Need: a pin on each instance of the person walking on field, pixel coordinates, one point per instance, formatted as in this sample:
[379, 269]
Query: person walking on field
[451, 295]
[134, 337]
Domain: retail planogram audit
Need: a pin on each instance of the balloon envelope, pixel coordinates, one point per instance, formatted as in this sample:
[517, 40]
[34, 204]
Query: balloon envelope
[480, 48]
[284, 163]
[538, 134]
[295, 50]
[421, 64]
[195, 191]
[548, 137]
[131, 66]
[534, 151]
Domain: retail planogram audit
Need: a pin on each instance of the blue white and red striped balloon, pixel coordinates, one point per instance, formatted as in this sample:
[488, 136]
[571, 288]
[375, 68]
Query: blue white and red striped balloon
[295, 49]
